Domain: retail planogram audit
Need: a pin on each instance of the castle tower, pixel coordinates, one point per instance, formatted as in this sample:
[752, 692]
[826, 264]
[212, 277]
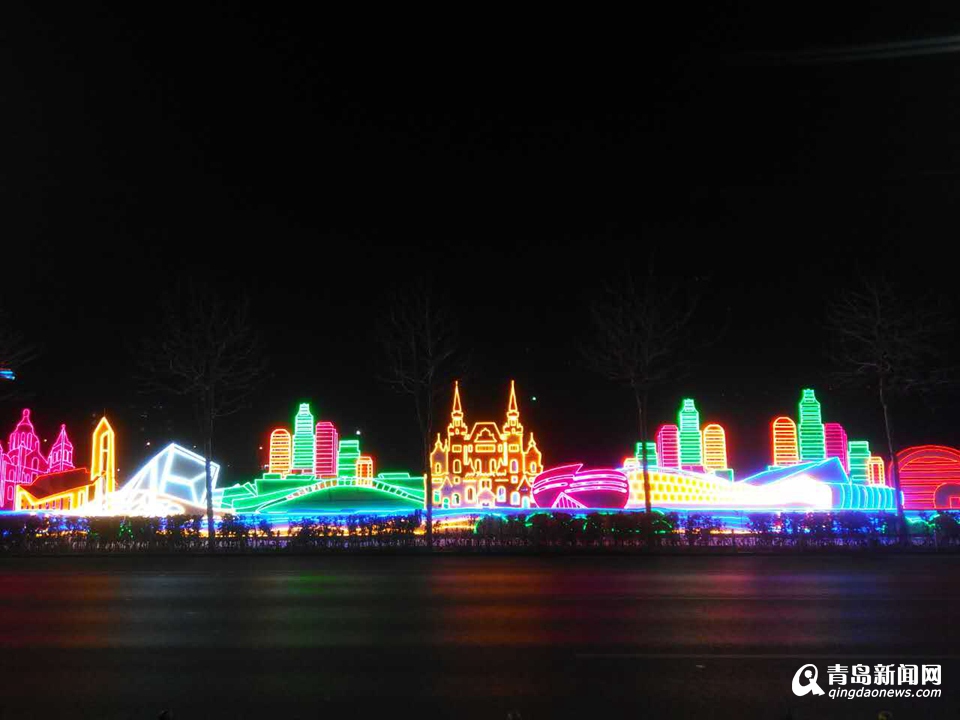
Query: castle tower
[784, 432]
[811, 429]
[691, 443]
[303, 441]
[513, 412]
[61, 453]
[23, 435]
[103, 463]
[281, 452]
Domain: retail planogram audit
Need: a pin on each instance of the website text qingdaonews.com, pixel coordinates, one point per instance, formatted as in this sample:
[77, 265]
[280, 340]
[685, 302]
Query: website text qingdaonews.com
[866, 692]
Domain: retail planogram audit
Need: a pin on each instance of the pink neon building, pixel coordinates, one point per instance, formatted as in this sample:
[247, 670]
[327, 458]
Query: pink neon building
[668, 446]
[326, 447]
[61, 453]
[23, 460]
[835, 441]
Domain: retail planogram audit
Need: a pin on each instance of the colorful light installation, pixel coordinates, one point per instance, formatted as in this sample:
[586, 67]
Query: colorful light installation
[364, 469]
[328, 445]
[303, 440]
[103, 463]
[784, 433]
[835, 443]
[691, 442]
[858, 452]
[349, 452]
[875, 470]
[714, 447]
[486, 465]
[811, 428]
[281, 452]
[929, 477]
[668, 446]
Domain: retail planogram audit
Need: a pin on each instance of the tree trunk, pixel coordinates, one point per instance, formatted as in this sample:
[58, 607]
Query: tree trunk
[641, 403]
[894, 466]
[207, 454]
[428, 490]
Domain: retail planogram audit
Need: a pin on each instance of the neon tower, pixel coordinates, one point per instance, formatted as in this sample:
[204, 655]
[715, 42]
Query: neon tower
[280, 452]
[784, 432]
[668, 446]
[835, 443]
[811, 429]
[691, 444]
[303, 441]
[103, 463]
[61, 453]
[327, 442]
[859, 453]
[714, 447]
[347, 460]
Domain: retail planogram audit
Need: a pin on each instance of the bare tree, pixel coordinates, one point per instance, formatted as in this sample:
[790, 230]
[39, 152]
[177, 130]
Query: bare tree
[640, 335]
[887, 340]
[419, 336]
[206, 351]
[14, 352]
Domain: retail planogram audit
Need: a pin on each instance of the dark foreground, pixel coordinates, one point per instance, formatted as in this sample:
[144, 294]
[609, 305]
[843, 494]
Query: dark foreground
[397, 637]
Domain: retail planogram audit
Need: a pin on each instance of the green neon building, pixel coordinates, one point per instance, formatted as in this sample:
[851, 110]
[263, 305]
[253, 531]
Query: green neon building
[303, 440]
[812, 443]
[859, 457]
[347, 458]
[651, 453]
[691, 443]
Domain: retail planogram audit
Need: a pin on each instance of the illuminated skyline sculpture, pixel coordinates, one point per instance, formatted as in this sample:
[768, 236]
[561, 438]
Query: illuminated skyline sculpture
[858, 452]
[23, 461]
[571, 487]
[347, 455]
[811, 428]
[103, 461]
[691, 442]
[484, 465]
[875, 470]
[784, 434]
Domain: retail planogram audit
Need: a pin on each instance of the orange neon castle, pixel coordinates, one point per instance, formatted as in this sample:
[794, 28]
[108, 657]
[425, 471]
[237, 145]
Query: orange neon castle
[485, 465]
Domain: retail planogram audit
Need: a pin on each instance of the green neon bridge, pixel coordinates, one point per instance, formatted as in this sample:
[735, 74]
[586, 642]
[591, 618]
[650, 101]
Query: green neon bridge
[274, 493]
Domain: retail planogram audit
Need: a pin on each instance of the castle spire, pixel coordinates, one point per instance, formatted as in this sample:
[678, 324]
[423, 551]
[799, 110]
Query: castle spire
[513, 413]
[457, 409]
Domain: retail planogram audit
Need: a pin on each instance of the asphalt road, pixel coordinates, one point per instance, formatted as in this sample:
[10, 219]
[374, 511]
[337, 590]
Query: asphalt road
[368, 636]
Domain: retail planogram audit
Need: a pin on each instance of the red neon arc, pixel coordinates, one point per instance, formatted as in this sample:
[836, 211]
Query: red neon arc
[929, 477]
[567, 487]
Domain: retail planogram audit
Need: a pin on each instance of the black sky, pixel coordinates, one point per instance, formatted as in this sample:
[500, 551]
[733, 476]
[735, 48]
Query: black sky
[519, 162]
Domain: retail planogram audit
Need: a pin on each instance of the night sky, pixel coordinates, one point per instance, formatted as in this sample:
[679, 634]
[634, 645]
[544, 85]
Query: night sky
[518, 162]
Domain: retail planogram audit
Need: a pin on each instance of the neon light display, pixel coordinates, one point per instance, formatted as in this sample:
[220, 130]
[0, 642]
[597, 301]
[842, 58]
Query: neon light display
[858, 452]
[328, 445]
[784, 432]
[281, 452]
[835, 443]
[61, 453]
[567, 486]
[303, 440]
[930, 477]
[714, 447]
[811, 428]
[875, 470]
[364, 470]
[485, 465]
[668, 446]
[103, 463]
[691, 443]
[7, 374]
[63, 490]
